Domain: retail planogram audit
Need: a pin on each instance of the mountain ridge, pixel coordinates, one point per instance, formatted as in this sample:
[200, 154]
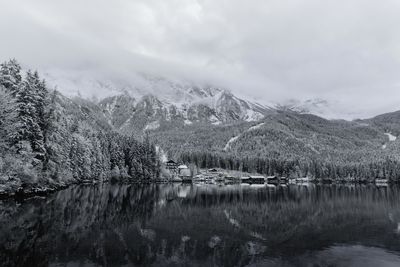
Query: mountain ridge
[99, 85]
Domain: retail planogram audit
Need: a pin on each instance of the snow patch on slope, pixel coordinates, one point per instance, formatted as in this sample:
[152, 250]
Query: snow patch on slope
[110, 107]
[255, 127]
[231, 141]
[126, 123]
[391, 137]
[252, 115]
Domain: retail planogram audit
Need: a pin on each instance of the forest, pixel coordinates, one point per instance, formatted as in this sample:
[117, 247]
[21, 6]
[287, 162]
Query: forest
[313, 168]
[49, 141]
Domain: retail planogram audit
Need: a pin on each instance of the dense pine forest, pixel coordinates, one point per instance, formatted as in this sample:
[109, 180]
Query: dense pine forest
[312, 168]
[48, 140]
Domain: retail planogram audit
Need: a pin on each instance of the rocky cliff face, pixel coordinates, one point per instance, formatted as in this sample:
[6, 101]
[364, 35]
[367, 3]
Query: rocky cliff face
[186, 106]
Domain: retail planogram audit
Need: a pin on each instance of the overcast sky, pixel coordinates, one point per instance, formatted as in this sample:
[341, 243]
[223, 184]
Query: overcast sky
[345, 51]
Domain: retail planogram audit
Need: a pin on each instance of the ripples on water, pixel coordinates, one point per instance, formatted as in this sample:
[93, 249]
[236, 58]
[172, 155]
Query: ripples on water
[204, 225]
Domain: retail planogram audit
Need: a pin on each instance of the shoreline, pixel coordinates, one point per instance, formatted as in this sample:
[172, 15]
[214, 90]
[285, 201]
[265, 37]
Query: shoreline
[43, 191]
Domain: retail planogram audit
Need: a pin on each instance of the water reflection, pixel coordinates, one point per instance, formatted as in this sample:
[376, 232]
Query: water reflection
[204, 225]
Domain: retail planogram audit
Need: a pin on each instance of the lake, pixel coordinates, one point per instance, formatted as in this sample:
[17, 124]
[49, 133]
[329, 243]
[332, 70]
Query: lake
[204, 225]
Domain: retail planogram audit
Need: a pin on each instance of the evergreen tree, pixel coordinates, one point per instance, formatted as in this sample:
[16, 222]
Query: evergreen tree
[27, 129]
[10, 76]
[7, 116]
[41, 94]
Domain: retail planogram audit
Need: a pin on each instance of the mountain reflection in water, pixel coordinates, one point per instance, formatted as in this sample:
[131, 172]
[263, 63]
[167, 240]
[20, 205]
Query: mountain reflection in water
[204, 225]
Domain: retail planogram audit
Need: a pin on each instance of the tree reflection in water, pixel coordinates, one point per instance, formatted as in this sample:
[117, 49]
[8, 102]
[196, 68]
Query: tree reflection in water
[204, 225]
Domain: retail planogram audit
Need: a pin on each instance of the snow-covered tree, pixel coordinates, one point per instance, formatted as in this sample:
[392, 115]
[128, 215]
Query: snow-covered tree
[10, 76]
[7, 116]
[41, 94]
[27, 128]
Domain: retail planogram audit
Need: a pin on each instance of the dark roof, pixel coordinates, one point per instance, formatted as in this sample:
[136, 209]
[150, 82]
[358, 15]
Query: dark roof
[171, 161]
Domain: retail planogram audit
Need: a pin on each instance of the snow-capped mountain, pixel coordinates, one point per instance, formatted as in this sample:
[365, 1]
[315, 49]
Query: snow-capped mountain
[196, 106]
[187, 100]
[145, 102]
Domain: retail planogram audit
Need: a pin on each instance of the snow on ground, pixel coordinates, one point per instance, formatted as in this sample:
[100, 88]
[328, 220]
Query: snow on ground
[384, 146]
[252, 115]
[231, 141]
[391, 137]
[152, 126]
[255, 127]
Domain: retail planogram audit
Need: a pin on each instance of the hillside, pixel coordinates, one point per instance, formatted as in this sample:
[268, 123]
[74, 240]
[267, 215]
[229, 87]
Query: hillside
[288, 144]
[388, 122]
[286, 134]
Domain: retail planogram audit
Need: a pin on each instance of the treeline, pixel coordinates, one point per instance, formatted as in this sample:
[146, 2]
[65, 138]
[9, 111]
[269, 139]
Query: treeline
[313, 168]
[46, 138]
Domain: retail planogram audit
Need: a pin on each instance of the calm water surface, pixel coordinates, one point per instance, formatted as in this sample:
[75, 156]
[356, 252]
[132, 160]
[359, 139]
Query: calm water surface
[204, 225]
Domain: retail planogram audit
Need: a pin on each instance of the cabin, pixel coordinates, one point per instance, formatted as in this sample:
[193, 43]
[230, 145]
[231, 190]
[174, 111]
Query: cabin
[171, 165]
[213, 170]
[184, 172]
